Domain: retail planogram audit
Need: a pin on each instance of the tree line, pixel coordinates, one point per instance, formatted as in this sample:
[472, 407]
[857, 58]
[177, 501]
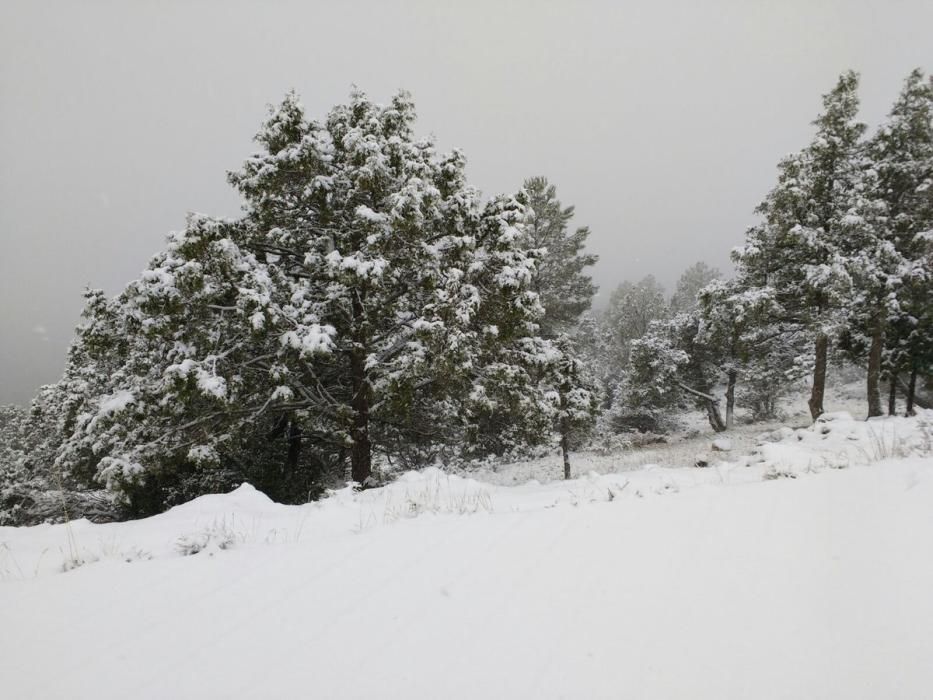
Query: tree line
[841, 261]
[371, 311]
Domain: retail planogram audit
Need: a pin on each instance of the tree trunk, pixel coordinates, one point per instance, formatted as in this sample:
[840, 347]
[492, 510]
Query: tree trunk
[905, 387]
[912, 389]
[294, 449]
[892, 394]
[730, 397]
[874, 371]
[711, 403]
[564, 425]
[819, 376]
[715, 418]
[361, 449]
[565, 450]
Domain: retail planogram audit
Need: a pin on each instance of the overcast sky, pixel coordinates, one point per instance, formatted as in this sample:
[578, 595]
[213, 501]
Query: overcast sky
[661, 121]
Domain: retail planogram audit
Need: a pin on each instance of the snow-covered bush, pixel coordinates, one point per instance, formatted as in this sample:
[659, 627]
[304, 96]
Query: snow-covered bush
[30, 491]
[12, 459]
[606, 439]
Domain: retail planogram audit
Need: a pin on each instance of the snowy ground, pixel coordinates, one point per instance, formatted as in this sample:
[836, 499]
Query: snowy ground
[802, 570]
[681, 448]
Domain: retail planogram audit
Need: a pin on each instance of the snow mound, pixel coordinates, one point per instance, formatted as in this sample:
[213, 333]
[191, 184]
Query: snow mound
[838, 441]
[722, 445]
[244, 497]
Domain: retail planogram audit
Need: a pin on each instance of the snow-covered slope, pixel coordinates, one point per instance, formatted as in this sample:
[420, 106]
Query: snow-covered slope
[726, 582]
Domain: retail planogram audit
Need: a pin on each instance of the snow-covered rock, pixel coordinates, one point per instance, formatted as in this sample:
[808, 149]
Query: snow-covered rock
[722, 445]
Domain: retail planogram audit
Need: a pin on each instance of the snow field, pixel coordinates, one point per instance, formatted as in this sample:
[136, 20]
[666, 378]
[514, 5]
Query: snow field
[724, 582]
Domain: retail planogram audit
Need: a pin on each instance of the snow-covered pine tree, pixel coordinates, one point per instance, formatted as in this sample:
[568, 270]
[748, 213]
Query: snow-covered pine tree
[648, 391]
[721, 326]
[499, 358]
[594, 345]
[693, 279]
[672, 365]
[426, 292]
[627, 317]
[92, 367]
[874, 266]
[366, 299]
[172, 387]
[796, 250]
[900, 156]
[13, 451]
[563, 287]
[631, 309]
[910, 345]
[33, 488]
[570, 387]
[756, 350]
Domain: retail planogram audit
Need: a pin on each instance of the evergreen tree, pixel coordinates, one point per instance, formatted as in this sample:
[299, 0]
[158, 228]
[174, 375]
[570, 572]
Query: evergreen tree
[563, 288]
[797, 251]
[632, 308]
[594, 344]
[31, 492]
[911, 344]
[900, 156]
[694, 279]
[367, 299]
[873, 264]
[671, 367]
[13, 450]
[173, 388]
[757, 352]
[574, 398]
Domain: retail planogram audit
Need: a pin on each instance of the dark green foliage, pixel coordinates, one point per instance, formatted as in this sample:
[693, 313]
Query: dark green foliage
[565, 291]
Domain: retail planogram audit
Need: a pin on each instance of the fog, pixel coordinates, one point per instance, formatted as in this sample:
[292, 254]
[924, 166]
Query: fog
[661, 122]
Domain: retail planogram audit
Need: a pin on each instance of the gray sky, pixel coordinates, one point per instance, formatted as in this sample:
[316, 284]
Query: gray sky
[661, 121]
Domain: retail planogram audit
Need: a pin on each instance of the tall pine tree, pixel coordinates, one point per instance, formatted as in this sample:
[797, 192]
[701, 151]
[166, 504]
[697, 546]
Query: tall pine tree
[367, 299]
[563, 287]
[900, 155]
[797, 251]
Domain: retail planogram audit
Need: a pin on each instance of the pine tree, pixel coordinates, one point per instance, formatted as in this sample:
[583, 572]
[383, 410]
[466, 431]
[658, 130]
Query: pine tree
[171, 386]
[13, 453]
[900, 156]
[631, 309]
[563, 288]
[671, 366]
[797, 251]
[574, 397]
[691, 282]
[394, 252]
[756, 350]
[366, 299]
[594, 345]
